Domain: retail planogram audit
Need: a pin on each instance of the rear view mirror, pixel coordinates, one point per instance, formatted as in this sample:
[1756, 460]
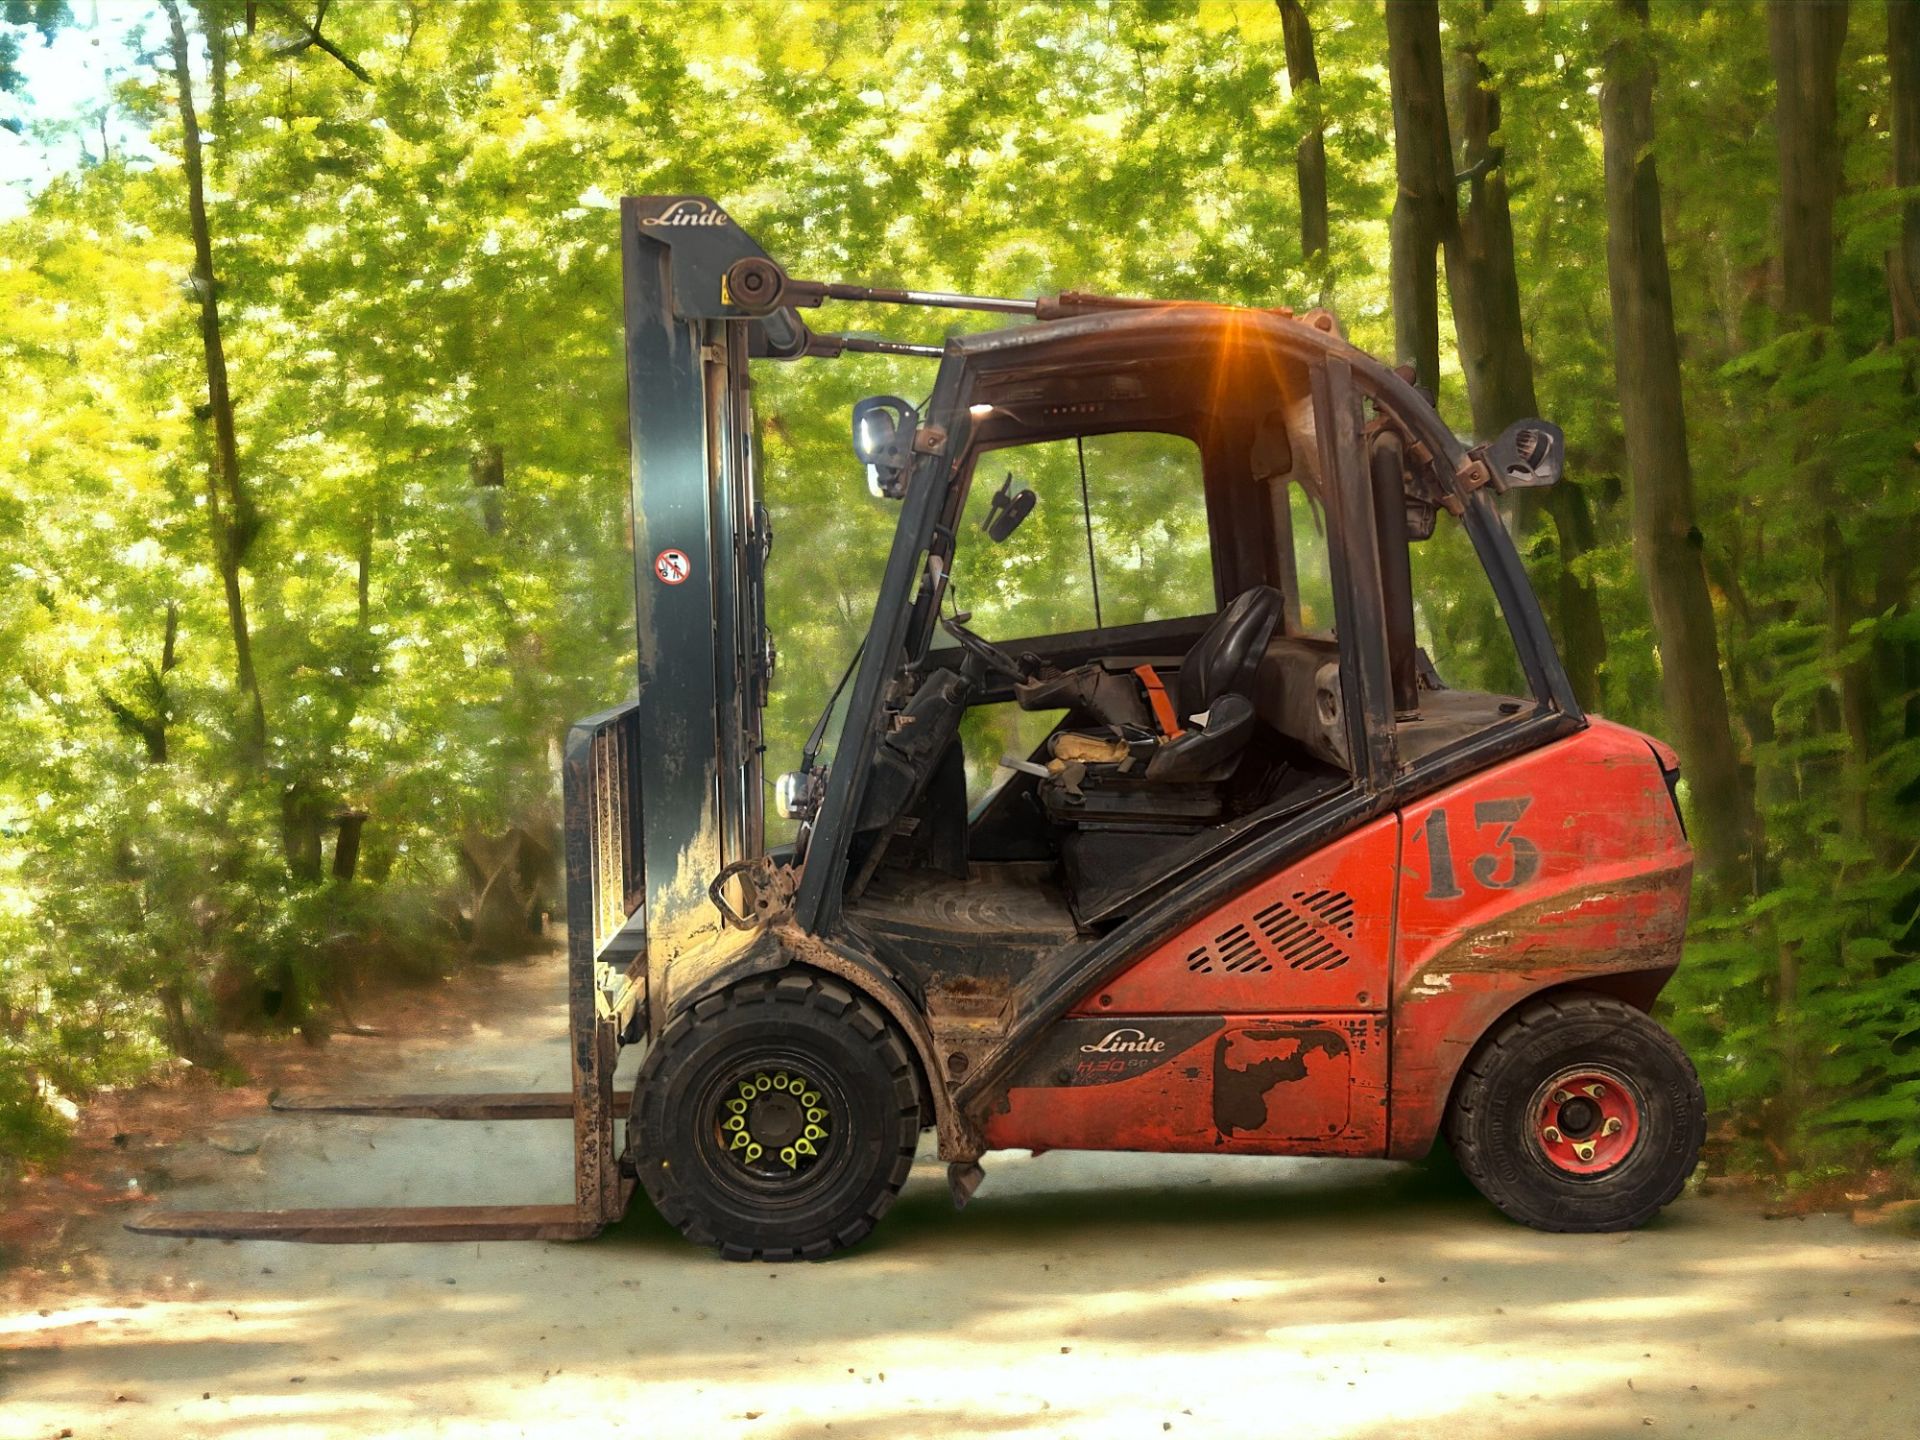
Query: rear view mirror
[1529, 454]
[883, 431]
[1006, 510]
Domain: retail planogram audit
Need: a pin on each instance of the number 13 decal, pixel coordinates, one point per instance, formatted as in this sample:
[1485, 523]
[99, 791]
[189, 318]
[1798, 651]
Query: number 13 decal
[1513, 861]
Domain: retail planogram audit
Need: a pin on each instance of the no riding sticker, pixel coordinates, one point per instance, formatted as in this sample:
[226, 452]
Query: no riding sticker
[672, 566]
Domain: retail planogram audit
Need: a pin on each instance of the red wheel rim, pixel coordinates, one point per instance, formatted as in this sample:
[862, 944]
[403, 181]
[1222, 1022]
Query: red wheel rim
[1586, 1120]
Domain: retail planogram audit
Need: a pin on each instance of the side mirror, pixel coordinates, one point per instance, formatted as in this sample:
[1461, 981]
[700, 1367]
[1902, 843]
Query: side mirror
[1530, 454]
[1006, 510]
[883, 430]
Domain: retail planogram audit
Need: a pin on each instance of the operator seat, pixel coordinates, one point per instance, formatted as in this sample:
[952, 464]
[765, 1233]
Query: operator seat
[1159, 756]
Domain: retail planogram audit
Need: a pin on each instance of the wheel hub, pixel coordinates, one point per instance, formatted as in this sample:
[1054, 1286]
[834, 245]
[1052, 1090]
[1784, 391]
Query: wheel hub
[1586, 1120]
[774, 1122]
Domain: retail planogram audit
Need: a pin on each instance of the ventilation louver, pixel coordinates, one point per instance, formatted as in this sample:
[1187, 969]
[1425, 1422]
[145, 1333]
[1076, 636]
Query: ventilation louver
[1307, 930]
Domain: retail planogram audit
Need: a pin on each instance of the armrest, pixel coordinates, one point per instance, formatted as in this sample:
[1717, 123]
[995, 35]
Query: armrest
[1208, 752]
[1090, 690]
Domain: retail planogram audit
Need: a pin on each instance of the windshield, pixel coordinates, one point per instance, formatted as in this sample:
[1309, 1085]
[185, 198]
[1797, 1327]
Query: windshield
[1117, 536]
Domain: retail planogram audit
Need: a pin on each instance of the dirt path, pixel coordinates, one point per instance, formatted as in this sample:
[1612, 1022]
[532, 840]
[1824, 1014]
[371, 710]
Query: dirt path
[1108, 1296]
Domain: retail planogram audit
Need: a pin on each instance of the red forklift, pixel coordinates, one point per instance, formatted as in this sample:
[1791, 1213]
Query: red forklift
[1214, 852]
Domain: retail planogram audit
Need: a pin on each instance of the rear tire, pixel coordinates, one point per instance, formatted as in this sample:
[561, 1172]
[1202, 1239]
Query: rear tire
[1578, 1113]
[776, 1120]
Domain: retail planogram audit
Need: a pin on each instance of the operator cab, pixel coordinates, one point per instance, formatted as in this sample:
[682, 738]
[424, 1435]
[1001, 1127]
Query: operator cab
[1126, 647]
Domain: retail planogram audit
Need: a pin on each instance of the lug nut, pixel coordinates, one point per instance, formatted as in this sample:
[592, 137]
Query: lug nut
[1584, 1151]
[1613, 1126]
[1552, 1132]
[1560, 1097]
[1596, 1090]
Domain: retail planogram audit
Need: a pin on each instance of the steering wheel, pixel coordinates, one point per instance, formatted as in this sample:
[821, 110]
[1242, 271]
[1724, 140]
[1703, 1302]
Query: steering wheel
[985, 651]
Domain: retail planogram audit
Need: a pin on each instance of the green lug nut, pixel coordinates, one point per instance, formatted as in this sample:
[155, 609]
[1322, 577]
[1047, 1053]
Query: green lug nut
[739, 1140]
[790, 1157]
[816, 1115]
[812, 1097]
[754, 1151]
[805, 1147]
[814, 1132]
[762, 1083]
[738, 1107]
[736, 1122]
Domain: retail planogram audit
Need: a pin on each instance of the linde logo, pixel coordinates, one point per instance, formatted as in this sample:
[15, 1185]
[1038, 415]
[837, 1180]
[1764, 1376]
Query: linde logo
[689, 212]
[1125, 1041]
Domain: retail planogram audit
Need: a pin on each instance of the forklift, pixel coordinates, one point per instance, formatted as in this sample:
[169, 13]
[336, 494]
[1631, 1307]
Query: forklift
[1256, 878]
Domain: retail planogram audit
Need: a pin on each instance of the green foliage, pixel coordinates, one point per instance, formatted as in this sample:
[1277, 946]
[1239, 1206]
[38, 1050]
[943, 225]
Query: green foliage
[420, 294]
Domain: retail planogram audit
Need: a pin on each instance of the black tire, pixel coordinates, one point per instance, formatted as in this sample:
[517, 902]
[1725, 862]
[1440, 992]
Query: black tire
[1519, 1131]
[789, 1029]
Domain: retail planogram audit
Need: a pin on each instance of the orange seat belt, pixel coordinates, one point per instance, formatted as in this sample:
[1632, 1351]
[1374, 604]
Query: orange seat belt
[1163, 711]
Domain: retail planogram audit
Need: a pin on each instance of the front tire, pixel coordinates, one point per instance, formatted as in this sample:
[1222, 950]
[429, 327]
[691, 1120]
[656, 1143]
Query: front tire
[1578, 1113]
[777, 1120]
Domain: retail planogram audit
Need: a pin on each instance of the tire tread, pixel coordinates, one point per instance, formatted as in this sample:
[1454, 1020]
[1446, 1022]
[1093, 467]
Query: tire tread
[837, 1001]
[1485, 1065]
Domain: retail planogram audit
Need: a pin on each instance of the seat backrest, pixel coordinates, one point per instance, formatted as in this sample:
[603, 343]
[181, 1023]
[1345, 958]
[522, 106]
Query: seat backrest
[1223, 661]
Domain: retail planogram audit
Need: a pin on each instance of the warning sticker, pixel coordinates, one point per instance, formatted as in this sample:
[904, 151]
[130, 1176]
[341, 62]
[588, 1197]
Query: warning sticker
[672, 566]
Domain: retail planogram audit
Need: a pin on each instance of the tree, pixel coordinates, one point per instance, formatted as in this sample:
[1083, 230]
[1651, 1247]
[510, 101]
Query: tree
[1903, 68]
[1423, 165]
[1805, 42]
[1483, 285]
[1666, 534]
[1310, 155]
[231, 515]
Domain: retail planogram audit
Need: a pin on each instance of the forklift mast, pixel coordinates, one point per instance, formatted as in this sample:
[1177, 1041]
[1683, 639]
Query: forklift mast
[700, 541]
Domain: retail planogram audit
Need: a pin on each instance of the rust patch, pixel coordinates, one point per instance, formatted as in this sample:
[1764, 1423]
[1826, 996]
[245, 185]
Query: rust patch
[958, 1139]
[1249, 1065]
[1558, 934]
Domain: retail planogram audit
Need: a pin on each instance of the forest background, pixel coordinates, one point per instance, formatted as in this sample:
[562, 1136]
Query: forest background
[313, 525]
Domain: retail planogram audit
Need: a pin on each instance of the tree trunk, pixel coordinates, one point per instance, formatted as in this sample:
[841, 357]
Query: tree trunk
[1897, 667]
[1903, 66]
[1310, 156]
[150, 725]
[1805, 41]
[230, 511]
[1423, 166]
[1667, 542]
[346, 845]
[363, 576]
[1485, 290]
[488, 466]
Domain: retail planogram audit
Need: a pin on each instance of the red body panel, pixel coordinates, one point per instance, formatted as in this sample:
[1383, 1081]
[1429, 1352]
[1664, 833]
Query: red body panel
[1317, 936]
[1265, 1027]
[1569, 864]
[1286, 983]
[1242, 1084]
